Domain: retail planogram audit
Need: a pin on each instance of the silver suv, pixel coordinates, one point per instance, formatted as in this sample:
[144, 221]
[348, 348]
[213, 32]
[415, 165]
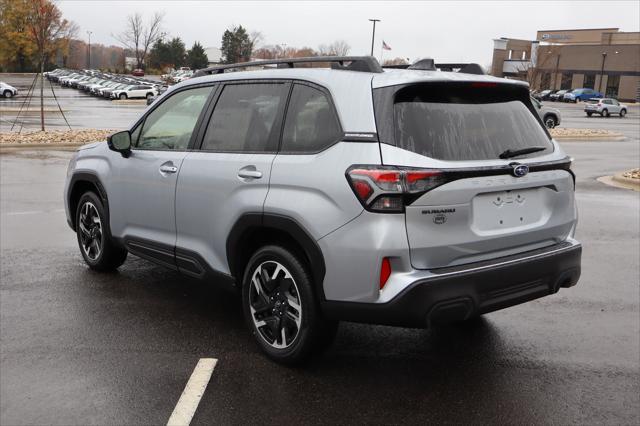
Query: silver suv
[402, 197]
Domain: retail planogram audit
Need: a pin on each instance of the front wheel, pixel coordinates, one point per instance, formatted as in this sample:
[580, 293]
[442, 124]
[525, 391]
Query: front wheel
[280, 307]
[123, 96]
[149, 96]
[8, 94]
[589, 114]
[94, 236]
[623, 113]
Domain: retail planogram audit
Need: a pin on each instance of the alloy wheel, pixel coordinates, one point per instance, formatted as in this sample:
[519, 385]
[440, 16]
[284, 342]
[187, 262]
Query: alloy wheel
[550, 123]
[274, 302]
[91, 234]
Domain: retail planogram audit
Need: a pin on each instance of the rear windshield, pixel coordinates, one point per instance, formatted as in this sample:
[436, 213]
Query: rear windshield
[465, 124]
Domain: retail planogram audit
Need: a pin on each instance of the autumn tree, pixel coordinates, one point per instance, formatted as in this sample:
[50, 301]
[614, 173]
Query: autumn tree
[140, 37]
[197, 57]
[237, 46]
[18, 47]
[395, 61]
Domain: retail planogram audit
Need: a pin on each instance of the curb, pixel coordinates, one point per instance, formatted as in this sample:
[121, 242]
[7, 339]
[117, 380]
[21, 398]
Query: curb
[52, 146]
[635, 183]
[623, 184]
[613, 138]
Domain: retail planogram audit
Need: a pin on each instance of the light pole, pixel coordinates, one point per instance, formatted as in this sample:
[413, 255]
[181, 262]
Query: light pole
[604, 57]
[373, 36]
[89, 50]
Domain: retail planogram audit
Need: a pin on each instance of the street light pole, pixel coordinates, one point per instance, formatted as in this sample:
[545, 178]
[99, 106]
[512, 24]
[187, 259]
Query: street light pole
[89, 50]
[373, 36]
[604, 57]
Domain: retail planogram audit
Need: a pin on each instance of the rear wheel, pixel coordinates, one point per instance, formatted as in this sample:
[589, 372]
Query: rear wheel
[589, 114]
[280, 307]
[550, 121]
[623, 112]
[94, 236]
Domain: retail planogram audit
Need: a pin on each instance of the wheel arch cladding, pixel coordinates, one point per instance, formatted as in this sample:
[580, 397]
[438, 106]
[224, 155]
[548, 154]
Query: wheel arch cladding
[81, 183]
[254, 230]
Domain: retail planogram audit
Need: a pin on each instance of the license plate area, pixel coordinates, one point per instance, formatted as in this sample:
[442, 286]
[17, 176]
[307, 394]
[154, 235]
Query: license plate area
[508, 211]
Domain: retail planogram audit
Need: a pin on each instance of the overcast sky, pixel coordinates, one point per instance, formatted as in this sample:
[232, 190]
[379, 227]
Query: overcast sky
[453, 31]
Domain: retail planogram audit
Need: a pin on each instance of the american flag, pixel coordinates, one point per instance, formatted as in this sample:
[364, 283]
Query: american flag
[385, 46]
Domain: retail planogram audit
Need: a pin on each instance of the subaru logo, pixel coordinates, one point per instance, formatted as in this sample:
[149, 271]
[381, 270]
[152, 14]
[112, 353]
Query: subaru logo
[520, 170]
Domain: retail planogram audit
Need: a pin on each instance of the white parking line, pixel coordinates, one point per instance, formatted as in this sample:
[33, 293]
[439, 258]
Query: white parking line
[190, 398]
[34, 212]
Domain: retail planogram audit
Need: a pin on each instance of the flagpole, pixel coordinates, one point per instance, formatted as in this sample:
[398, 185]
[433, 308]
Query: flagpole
[381, 52]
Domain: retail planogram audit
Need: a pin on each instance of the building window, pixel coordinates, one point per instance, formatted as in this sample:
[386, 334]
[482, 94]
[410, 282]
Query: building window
[545, 81]
[613, 82]
[565, 83]
[589, 81]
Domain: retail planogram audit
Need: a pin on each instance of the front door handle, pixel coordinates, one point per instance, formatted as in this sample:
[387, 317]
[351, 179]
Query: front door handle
[168, 168]
[249, 172]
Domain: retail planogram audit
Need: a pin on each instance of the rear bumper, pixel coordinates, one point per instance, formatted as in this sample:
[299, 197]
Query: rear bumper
[456, 294]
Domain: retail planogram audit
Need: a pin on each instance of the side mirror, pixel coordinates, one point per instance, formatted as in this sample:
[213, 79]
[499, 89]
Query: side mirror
[120, 142]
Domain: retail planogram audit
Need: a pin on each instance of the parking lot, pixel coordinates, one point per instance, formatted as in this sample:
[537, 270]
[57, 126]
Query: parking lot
[85, 348]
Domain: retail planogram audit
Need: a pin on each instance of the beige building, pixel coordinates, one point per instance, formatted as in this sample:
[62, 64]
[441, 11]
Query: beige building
[603, 59]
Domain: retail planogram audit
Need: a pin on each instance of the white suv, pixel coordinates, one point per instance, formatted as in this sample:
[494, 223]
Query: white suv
[135, 91]
[605, 107]
[7, 91]
[405, 197]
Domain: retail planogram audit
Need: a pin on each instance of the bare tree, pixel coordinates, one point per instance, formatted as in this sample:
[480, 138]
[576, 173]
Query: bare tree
[139, 37]
[337, 48]
[49, 31]
[256, 38]
[547, 58]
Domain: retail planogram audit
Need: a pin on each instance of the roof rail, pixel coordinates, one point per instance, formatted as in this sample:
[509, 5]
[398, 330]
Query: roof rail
[463, 68]
[356, 63]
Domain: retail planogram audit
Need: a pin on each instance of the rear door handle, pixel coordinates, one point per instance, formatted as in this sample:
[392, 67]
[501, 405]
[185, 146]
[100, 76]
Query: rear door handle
[249, 172]
[168, 168]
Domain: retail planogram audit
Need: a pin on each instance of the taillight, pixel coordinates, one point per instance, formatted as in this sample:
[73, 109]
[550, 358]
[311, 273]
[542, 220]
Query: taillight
[388, 189]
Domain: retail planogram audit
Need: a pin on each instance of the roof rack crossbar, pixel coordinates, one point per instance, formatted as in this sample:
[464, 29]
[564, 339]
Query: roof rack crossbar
[357, 63]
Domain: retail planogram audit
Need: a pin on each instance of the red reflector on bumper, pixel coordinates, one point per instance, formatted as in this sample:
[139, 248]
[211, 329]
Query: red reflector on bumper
[385, 271]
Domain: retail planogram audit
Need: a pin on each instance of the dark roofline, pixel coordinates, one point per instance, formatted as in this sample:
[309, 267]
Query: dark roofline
[581, 29]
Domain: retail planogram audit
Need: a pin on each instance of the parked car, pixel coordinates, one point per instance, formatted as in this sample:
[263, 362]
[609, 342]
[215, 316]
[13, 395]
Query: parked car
[7, 90]
[134, 91]
[549, 116]
[138, 72]
[577, 95]
[544, 95]
[605, 107]
[556, 97]
[323, 195]
[161, 90]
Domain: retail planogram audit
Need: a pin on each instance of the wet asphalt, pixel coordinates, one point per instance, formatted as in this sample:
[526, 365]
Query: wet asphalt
[78, 347]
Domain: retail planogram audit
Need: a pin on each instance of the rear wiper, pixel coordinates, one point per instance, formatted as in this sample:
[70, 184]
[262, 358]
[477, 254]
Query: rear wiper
[510, 154]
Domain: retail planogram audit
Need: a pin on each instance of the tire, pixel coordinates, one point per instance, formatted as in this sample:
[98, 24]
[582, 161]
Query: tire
[589, 114]
[8, 94]
[279, 302]
[605, 113]
[623, 112]
[94, 236]
[149, 96]
[550, 121]
[122, 96]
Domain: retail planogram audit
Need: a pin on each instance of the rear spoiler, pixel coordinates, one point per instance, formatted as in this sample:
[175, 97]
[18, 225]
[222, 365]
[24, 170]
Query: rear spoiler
[430, 65]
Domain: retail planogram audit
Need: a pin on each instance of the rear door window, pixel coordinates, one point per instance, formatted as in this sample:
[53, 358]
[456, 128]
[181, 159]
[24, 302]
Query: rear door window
[245, 118]
[311, 124]
[464, 124]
